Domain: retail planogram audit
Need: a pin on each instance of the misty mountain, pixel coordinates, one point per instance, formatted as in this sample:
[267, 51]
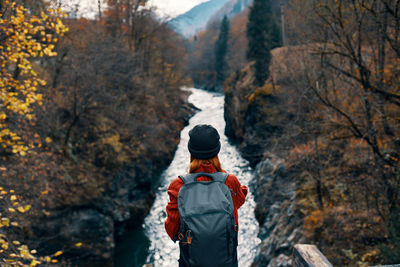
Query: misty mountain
[196, 19]
[231, 8]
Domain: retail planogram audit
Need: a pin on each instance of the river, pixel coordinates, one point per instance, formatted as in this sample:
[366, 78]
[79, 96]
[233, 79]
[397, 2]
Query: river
[151, 244]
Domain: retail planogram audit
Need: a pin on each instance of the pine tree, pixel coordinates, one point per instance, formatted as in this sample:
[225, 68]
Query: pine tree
[221, 49]
[263, 35]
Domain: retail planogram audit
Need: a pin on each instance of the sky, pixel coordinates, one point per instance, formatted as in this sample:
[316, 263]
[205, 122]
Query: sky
[165, 8]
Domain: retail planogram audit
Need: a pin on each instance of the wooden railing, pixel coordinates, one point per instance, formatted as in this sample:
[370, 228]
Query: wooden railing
[310, 256]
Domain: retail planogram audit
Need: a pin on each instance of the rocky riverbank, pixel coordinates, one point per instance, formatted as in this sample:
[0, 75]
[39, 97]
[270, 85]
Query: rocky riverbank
[94, 198]
[257, 120]
[279, 218]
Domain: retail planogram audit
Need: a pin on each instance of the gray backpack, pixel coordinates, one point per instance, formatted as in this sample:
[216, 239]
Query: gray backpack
[207, 234]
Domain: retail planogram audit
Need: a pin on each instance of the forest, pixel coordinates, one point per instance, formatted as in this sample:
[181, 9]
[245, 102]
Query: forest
[335, 78]
[82, 104]
[92, 110]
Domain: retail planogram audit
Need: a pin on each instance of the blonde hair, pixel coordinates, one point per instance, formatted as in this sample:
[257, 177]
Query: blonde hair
[195, 163]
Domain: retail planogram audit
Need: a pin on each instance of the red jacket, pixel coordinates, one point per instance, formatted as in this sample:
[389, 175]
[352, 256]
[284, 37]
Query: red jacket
[173, 222]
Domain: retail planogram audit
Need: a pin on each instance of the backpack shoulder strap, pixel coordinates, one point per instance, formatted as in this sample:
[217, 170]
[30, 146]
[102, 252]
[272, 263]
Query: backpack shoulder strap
[216, 176]
[219, 176]
[188, 178]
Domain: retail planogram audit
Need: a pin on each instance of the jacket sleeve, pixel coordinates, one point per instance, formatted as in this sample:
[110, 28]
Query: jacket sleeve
[239, 192]
[172, 222]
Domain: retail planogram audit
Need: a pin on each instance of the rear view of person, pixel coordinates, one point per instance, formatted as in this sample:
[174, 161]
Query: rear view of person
[202, 211]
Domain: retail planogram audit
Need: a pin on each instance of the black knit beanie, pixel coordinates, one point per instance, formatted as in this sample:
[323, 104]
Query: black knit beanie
[204, 142]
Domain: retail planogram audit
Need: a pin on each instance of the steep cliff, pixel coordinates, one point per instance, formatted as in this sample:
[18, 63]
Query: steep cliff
[255, 117]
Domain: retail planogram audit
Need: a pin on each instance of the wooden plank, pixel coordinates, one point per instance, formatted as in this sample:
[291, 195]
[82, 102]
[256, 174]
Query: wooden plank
[309, 256]
[396, 265]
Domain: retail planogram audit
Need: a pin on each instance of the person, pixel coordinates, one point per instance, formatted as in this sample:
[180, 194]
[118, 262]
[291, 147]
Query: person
[204, 146]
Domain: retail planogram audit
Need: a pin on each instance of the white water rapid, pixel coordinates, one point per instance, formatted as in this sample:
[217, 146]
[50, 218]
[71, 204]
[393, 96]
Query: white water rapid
[162, 252]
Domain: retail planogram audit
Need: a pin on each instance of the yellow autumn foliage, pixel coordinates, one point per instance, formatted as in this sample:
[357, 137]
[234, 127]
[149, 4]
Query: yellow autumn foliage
[13, 252]
[26, 38]
[265, 90]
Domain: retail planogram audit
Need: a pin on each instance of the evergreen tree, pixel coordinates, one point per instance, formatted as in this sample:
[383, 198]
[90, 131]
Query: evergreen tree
[263, 35]
[221, 49]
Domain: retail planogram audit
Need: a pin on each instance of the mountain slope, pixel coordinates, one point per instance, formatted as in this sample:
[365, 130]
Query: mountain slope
[231, 9]
[196, 19]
